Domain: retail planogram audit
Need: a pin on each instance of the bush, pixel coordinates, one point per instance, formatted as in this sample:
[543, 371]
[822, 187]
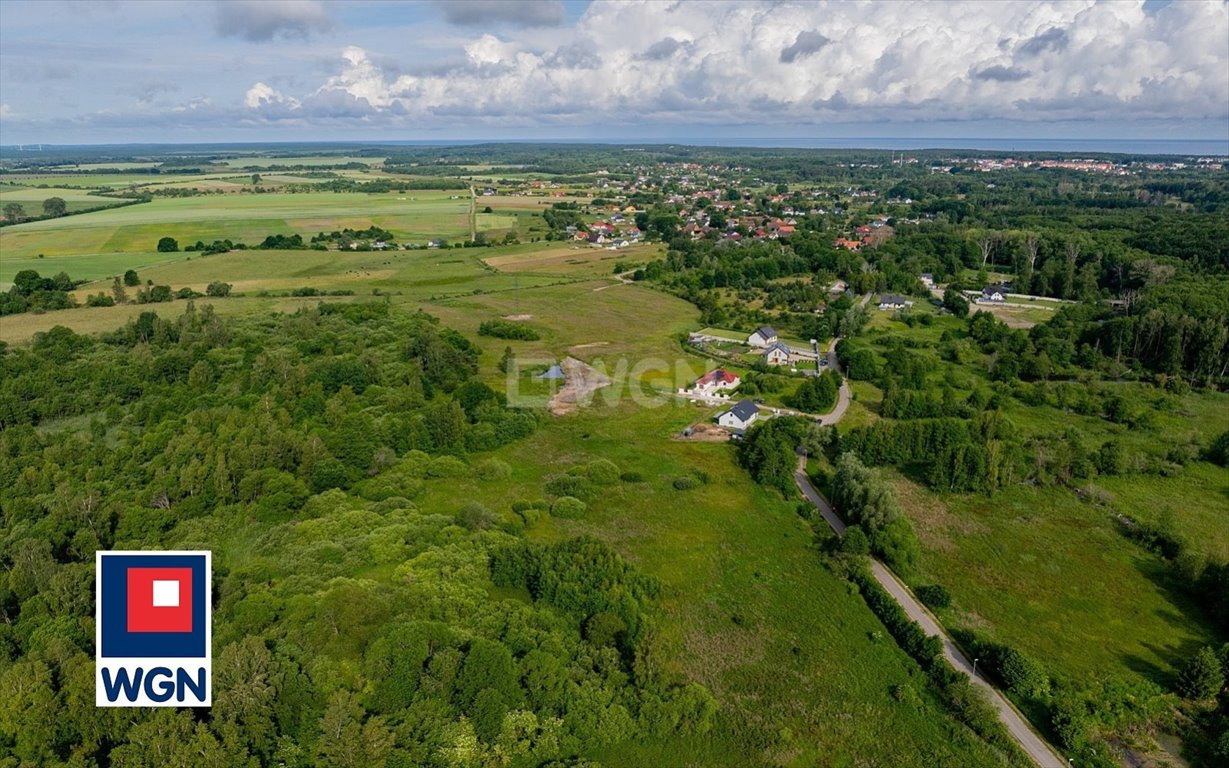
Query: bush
[494, 469]
[935, 596]
[475, 517]
[603, 472]
[570, 485]
[632, 477]
[685, 483]
[568, 508]
[507, 329]
[1022, 675]
[168, 245]
[218, 289]
[446, 466]
[854, 542]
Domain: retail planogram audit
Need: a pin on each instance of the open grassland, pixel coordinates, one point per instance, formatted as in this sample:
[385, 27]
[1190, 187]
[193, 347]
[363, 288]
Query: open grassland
[568, 258]
[1049, 574]
[16, 329]
[31, 198]
[74, 244]
[96, 180]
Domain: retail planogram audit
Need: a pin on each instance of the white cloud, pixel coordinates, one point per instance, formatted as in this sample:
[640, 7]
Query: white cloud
[260, 96]
[747, 63]
[259, 20]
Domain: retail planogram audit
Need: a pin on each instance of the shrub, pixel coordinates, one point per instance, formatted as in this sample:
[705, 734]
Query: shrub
[446, 466]
[494, 469]
[475, 517]
[854, 542]
[603, 472]
[935, 595]
[569, 485]
[685, 483]
[632, 477]
[167, 245]
[218, 289]
[568, 508]
[507, 329]
[1022, 675]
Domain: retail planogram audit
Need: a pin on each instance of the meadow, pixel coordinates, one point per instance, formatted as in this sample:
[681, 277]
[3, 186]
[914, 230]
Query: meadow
[86, 246]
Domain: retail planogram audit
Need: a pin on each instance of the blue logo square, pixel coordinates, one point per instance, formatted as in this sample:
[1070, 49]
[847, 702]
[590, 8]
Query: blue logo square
[116, 641]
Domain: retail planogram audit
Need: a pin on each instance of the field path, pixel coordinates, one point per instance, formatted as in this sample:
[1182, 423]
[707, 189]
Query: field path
[473, 214]
[1017, 725]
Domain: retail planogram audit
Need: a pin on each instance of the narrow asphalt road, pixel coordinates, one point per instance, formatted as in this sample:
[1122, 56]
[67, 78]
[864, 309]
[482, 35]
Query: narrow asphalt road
[1037, 748]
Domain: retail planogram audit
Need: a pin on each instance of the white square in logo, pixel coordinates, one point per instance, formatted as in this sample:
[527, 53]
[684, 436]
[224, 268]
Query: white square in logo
[166, 594]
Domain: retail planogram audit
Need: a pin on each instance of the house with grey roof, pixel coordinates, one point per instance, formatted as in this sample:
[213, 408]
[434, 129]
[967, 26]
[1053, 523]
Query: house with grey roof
[762, 337]
[741, 416]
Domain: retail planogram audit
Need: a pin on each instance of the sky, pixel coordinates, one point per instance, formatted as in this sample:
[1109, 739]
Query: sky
[130, 71]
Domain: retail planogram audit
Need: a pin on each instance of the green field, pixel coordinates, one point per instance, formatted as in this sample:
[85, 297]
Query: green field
[85, 246]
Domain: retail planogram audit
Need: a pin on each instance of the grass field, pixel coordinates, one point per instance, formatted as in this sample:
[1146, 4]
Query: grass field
[75, 244]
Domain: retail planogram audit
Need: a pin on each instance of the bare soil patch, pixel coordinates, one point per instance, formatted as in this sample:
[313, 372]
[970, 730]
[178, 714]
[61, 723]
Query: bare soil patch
[706, 433]
[518, 317]
[580, 382]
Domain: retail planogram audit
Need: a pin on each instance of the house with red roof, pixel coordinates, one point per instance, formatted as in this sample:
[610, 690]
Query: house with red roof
[715, 381]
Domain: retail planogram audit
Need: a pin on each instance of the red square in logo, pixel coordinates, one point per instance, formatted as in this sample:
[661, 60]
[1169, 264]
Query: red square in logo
[159, 599]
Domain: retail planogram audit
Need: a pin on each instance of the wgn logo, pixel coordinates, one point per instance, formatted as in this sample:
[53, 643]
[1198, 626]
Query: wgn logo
[153, 632]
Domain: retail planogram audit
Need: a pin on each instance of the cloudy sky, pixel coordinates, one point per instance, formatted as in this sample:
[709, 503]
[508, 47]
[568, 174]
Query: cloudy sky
[104, 71]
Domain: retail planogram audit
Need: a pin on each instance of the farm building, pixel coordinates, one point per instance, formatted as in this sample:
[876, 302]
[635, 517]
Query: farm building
[554, 373]
[763, 336]
[776, 354]
[715, 381]
[740, 416]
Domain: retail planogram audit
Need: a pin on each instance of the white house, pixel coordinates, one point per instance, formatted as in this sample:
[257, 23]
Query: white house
[740, 416]
[763, 337]
[840, 286]
[893, 301]
[995, 293]
[927, 279]
[776, 354]
[714, 381]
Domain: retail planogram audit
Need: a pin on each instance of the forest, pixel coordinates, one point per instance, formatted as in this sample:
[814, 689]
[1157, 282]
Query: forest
[351, 627]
